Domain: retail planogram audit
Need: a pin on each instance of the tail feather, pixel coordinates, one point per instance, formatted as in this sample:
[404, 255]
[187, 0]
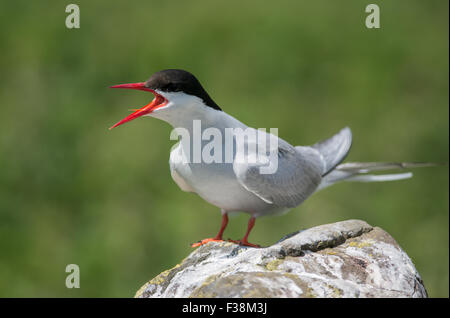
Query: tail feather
[357, 172]
[363, 167]
[380, 177]
[334, 150]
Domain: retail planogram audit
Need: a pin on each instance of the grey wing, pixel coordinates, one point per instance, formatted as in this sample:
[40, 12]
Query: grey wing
[297, 175]
[334, 149]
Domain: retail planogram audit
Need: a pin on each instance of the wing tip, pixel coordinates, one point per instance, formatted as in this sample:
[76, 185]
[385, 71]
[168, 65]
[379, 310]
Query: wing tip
[346, 137]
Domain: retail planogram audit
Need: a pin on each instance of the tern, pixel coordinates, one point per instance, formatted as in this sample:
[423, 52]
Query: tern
[239, 185]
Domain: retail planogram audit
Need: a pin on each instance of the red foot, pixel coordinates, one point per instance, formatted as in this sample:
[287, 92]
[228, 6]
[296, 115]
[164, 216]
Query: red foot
[207, 240]
[244, 243]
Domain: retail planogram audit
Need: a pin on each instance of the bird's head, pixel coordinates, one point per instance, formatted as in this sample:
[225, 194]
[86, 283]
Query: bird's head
[173, 90]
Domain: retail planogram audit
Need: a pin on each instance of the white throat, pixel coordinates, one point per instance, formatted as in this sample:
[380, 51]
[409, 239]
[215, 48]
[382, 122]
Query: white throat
[182, 109]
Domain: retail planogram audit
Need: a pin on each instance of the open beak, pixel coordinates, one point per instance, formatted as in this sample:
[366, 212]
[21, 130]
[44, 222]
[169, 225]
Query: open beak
[157, 102]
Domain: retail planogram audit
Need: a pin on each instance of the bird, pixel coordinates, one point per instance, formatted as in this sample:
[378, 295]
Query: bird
[239, 184]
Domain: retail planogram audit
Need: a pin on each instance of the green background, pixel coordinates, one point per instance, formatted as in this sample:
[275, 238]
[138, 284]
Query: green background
[71, 191]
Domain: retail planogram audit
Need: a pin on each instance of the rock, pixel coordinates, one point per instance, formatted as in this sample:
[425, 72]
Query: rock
[343, 259]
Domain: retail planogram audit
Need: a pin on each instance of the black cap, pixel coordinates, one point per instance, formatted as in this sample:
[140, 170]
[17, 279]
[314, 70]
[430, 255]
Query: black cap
[173, 80]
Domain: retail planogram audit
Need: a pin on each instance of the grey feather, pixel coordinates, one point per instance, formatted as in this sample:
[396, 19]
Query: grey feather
[297, 176]
[357, 172]
[337, 176]
[363, 167]
[334, 149]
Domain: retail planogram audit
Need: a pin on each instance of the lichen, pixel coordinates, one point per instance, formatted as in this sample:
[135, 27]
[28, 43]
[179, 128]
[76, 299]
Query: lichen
[360, 244]
[310, 293]
[336, 292]
[158, 280]
[141, 290]
[273, 265]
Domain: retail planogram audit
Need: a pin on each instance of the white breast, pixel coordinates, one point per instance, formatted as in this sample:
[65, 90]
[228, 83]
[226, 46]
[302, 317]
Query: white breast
[216, 183]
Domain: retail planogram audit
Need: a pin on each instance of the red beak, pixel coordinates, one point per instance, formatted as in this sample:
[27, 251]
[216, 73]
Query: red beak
[157, 102]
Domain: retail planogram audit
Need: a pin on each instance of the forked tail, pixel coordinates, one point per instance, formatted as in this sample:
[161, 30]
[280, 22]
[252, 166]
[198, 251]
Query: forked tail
[358, 172]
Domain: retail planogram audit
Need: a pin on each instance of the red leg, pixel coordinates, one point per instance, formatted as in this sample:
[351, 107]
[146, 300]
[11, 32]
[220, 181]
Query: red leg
[244, 241]
[218, 237]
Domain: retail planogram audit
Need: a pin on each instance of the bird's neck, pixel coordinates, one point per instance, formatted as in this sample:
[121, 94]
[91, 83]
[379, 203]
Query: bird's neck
[190, 117]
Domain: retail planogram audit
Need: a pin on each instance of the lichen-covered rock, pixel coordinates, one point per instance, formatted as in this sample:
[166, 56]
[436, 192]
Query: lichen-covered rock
[344, 259]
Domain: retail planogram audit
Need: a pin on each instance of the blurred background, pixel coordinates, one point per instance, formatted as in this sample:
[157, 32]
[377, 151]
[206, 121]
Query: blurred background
[71, 191]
